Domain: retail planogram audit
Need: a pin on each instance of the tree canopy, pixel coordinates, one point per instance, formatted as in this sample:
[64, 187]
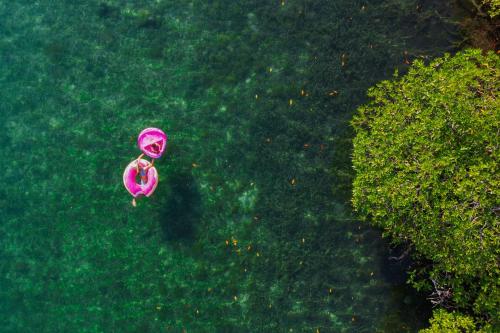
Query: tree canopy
[427, 172]
[493, 7]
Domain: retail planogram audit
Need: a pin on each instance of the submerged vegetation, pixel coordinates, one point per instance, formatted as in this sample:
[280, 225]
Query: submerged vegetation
[427, 172]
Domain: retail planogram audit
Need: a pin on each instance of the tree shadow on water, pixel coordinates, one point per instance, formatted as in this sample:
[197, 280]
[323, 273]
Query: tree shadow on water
[182, 209]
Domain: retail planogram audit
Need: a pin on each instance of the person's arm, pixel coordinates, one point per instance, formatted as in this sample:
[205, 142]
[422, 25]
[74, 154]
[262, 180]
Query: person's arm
[137, 162]
[150, 166]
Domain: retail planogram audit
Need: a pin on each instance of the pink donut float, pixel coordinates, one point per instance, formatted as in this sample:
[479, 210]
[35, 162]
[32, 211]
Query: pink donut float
[129, 179]
[152, 142]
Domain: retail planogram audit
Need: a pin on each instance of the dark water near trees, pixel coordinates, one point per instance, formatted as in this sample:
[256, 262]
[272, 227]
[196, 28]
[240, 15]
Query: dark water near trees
[250, 228]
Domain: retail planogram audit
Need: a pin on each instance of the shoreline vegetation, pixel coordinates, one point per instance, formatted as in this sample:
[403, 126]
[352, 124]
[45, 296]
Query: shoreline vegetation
[480, 23]
[426, 162]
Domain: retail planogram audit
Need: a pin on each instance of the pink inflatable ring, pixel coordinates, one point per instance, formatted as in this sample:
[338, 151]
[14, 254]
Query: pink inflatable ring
[129, 179]
[152, 142]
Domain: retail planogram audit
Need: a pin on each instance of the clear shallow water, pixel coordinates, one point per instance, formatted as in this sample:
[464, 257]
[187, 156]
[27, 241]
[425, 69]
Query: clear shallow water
[250, 229]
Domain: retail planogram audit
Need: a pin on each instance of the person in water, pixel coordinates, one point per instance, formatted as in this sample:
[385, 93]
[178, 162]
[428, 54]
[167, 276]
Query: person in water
[143, 172]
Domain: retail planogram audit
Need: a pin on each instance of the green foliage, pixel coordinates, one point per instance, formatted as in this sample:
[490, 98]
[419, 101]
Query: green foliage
[426, 158]
[454, 322]
[493, 7]
[450, 322]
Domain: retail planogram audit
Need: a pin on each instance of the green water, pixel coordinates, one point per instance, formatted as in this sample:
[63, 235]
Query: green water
[250, 228]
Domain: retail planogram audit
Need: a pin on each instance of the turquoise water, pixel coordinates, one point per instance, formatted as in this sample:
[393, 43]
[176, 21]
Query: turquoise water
[250, 228]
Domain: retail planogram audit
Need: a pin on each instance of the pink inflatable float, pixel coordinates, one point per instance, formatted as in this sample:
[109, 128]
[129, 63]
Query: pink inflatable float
[130, 182]
[152, 141]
